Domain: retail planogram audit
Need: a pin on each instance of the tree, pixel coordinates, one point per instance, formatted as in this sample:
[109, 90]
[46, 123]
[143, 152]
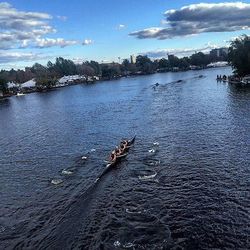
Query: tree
[126, 63]
[163, 63]
[84, 69]
[239, 55]
[111, 70]
[47, 82]
[173, 61]
[184, 63]
[96, 67]
[3, 81]
[65, 67]
[39, 70]
[144, 64]
[199, 59]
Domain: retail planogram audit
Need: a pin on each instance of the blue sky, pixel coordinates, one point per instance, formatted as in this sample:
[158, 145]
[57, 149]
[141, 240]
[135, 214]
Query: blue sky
[116, 28]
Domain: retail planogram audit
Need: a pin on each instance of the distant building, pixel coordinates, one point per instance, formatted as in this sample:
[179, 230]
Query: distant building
[219, 52]
[170, 57]
[132, 59]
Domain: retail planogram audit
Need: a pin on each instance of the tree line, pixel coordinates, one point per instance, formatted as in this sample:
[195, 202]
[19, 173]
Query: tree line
[239, 55]
[48, 75]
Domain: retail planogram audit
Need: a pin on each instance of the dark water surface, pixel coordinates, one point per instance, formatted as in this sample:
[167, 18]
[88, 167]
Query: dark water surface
[191, 191]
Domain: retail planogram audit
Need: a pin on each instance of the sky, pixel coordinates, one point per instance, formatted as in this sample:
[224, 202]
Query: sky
[112, 30]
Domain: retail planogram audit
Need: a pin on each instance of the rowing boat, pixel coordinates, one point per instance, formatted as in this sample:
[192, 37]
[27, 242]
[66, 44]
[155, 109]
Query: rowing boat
[118, 158]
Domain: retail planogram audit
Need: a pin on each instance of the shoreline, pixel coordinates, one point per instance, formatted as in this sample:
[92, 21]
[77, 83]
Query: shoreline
[93, 80]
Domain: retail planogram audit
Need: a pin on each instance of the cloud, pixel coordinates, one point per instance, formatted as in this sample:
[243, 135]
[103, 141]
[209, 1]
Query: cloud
[78, 60]
[179, 52]
[11, 18]
[7, 56]
[50, 42]
[20, 29]
[121, 26]
[62, 18]
[200, 18]
[87, 42]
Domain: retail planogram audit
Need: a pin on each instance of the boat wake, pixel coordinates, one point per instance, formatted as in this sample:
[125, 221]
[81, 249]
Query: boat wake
[56, 181]
[152, 150]
[67, 172]
[134, 210]
[126, 245]
[147, 177]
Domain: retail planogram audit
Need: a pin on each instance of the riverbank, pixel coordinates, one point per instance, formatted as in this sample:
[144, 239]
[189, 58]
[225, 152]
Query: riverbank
[31, 86]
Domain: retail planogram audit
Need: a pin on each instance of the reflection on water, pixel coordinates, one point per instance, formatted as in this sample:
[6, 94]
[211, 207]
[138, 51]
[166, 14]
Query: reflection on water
[185, 183]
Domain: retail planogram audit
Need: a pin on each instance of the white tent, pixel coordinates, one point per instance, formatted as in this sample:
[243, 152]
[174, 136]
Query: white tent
[70, 78]
[29, 84]
[12, 85]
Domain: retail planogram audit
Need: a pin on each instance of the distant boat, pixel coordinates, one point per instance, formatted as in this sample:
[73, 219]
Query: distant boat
[241, 81]
[246, 80]
[20, 94]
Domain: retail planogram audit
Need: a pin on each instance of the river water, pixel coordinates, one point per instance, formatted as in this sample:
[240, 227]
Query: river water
[184, 185]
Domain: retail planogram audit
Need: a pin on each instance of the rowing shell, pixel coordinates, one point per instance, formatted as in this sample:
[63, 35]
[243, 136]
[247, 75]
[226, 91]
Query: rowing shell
[118, 159]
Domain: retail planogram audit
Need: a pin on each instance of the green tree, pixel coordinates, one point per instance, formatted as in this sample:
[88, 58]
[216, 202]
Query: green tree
[199, 59]
[239, 55]
[111, 70]
[184, 63]
[95, 66]
[46, 82]
[163, 63]
[3, 82]
[174, 61]
[126, 64]
[65, 67]
[144, 64]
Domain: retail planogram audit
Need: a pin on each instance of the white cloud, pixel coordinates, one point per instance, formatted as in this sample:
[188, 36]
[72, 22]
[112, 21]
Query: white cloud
[62, 18]
[200, 18]
[20, 29]
[87, 42]
[50, 42]
[7, 56]
[181, 52]
[121, 26]
[11, 18]
[78, 60]
[24, 44]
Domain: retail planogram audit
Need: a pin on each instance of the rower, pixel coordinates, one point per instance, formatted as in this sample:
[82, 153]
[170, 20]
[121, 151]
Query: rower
[118, 151]
[112, 156]
[124, 142]
[123, 147]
